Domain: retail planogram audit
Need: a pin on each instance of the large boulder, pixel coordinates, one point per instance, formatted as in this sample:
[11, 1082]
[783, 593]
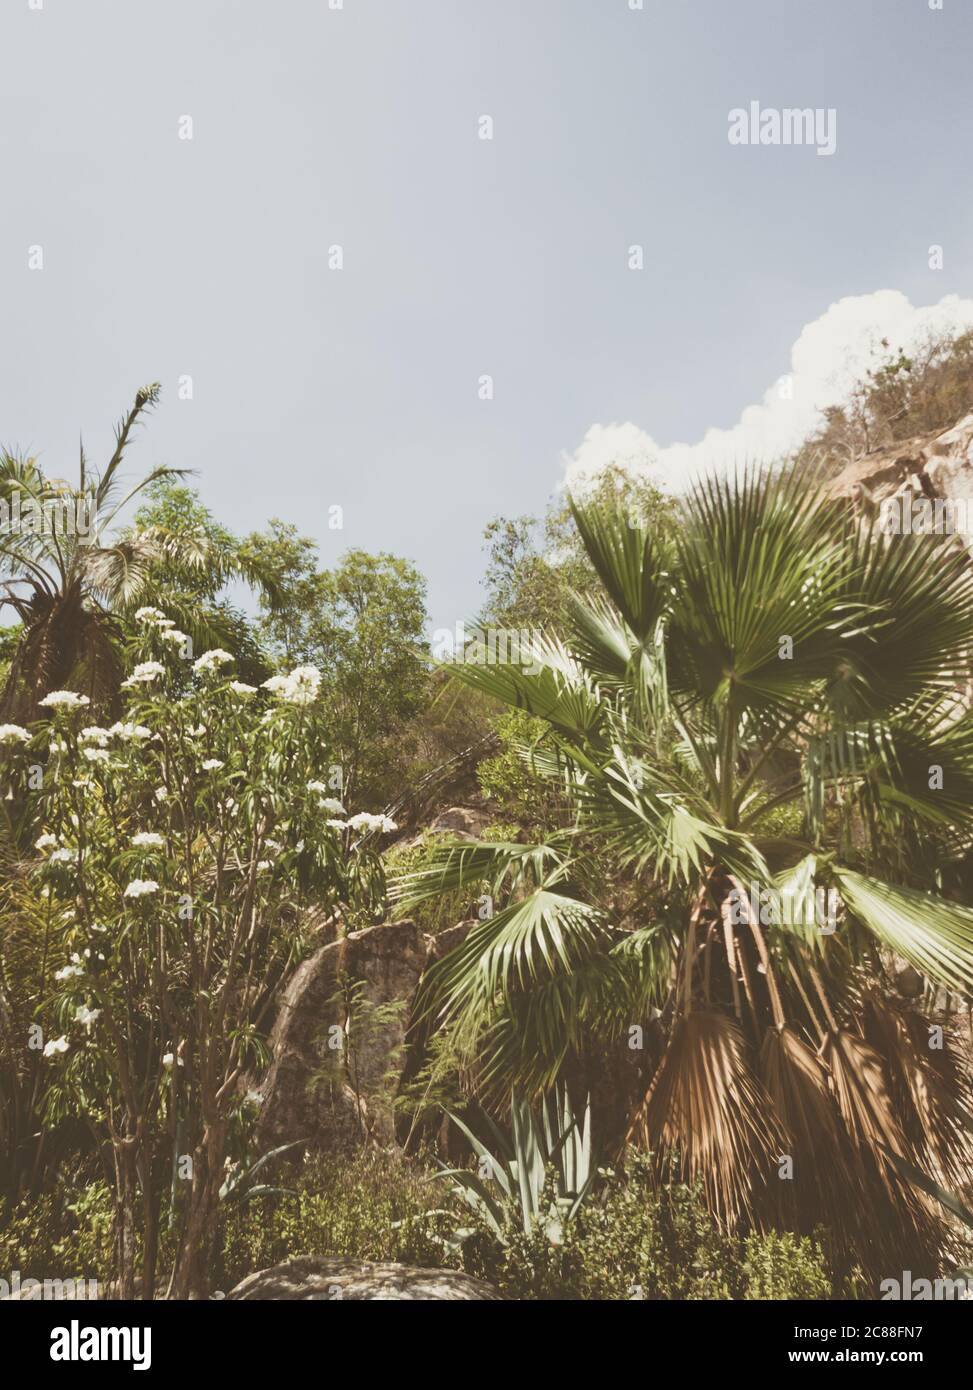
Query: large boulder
[339, 1032]
[321, 1278]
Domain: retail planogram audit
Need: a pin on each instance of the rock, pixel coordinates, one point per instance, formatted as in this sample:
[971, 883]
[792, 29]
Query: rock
[448, 939]
[433, 1128]
[333, 1279]
[938, 465]
[340, 1029]
[461, 822]
[908, 982]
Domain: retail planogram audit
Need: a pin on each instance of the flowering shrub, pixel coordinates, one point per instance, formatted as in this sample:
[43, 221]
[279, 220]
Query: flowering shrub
[177, 849]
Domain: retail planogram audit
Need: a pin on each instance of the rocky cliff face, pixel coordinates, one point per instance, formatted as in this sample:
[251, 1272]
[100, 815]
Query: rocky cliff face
[930, 466]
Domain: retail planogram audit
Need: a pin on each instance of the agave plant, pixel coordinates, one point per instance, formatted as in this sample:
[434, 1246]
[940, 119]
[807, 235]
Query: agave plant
[510, 1184]
[756, 707]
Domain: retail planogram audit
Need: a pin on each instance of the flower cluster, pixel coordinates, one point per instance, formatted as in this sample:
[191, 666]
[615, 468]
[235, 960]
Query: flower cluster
[64, 699]
[300, 687]
[211, 660]
[144, 674]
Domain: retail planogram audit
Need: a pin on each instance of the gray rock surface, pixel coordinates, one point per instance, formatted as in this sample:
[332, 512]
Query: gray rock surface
[339, 1032]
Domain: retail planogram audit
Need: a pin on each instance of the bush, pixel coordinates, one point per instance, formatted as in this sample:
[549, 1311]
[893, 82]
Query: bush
[368, 1206]
[66, 1233]
[639, 1241]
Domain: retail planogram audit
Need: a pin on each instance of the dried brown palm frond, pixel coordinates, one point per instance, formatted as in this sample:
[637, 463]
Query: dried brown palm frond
[929, 1088]
[896, 1222]
[862, 1093]
[798, 1085]
[707, 1108]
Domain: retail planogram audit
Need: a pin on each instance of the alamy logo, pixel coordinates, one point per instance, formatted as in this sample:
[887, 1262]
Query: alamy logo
[47, 1290]
[785, 907]
[64, 515]
[790, 125]
[911, 1290]
[909, 515]
[77, 1343]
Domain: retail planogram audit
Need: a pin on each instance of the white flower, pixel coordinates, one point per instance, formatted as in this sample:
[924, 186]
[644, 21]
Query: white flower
[169, 1060]
[329, 804]
[337, 824]
[173, 635]
[264, 866]
[150, 615]
[130, 733]
[13, 733]
[276, 684]
[64, 699]
[366, 821]
[160, 794]
[58, 746]
[86, 1016]
[141, 887]
[242, 689]
[64, 856]
[144, 673]
[212, 765]
[253, 1098]
[302, 685]
[93, 734]
[316, 787]
[45, 842]
[68, 972]
[212, 660]
[97, 755]
[148, 839]
[55, 1045]
[273, 844]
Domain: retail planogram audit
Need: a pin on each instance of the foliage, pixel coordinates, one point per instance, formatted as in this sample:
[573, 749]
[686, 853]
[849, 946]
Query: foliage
[534, 567]
[437, 913]
[639, 1241]
[66, 1233]
[362, 624]
[510, 781]
[901, 395]
[371, 1205]
[510, 1188]
[67, 580]
[194, 594]
[771, 653]
[181, 851]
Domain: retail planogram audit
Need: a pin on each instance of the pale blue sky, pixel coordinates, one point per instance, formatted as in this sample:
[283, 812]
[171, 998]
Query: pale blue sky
[462, 257]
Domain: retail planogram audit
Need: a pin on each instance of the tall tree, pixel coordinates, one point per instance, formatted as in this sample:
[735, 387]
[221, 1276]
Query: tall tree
[363, 624]
[69, 572]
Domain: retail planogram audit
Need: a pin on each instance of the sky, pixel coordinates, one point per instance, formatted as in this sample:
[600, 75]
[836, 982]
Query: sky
[487, 333]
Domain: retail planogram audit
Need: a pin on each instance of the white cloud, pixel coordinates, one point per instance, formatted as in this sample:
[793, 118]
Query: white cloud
[829, 356]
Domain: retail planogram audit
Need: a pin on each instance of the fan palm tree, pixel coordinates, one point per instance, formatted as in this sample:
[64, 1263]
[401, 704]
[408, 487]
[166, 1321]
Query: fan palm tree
[69, 583]
[756, 707]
